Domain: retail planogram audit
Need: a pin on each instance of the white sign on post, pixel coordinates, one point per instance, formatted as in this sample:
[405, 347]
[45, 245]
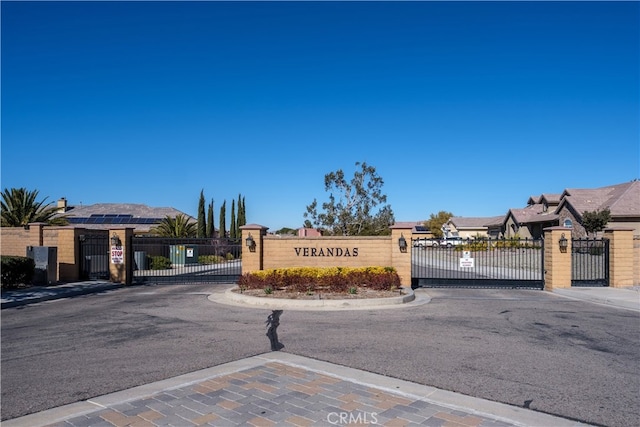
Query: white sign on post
[117, 255]
[467, 263]
[189, 252]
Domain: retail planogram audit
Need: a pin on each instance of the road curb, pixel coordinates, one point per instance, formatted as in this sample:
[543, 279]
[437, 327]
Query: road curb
[325, 304]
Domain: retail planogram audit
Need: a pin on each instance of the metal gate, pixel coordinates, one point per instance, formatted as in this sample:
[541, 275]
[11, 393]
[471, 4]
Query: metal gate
[490, 263]
[176, 260]
[94, 256]
[589, 262]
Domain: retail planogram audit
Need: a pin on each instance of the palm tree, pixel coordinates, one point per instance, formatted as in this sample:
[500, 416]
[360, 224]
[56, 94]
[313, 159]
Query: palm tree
[180, 226]
[19, 208]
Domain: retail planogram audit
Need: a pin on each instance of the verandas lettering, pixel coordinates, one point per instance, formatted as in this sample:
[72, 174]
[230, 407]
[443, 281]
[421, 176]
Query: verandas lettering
[326, 252]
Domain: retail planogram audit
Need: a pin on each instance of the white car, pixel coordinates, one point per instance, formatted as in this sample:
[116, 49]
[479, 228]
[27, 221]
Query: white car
[425, 243]
[451, 241]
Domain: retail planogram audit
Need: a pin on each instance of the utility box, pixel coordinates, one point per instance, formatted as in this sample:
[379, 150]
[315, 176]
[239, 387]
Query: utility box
[183, 254]
[46, 260]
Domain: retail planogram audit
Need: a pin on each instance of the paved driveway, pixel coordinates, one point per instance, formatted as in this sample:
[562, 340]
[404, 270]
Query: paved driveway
[526, 348]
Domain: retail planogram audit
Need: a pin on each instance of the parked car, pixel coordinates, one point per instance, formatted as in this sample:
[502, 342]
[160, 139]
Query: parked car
[451, 241]
[425, 243]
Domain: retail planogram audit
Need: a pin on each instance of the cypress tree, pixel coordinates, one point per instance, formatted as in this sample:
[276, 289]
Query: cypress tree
[242, 218]
[222, 231]
[239, 221]
[233, 230]
[211, 232]
[244, 213]
[202, 226]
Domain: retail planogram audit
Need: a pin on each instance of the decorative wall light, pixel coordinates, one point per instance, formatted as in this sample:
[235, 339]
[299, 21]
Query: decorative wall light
[251, 244]
[115, 240]
[402, 243]
[563, 243]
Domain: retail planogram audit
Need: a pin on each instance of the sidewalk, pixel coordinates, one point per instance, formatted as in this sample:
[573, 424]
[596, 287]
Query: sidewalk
[277, 388]
[625, 298]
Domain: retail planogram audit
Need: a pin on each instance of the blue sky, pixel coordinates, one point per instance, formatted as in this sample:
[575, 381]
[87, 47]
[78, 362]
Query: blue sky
[464, 107]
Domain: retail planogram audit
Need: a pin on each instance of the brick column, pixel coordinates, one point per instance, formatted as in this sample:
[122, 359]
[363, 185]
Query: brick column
[620, 256]
[69, 262]
[399, 259]
[122, 272]
[557, 262]
[253, 258]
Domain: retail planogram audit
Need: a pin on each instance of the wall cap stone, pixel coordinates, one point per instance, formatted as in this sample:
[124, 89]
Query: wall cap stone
[254, 227]
[402, 226]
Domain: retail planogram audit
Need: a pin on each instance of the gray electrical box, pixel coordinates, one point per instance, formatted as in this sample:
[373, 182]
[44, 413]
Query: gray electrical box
[46, 260]
[183, 254]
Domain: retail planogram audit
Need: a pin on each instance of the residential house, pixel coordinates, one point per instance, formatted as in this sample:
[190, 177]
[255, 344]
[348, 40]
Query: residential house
[418, 229]
[104, 216]
[309, 232]
[622, 200]
[529, 222]
[473, 227]
[567, 209]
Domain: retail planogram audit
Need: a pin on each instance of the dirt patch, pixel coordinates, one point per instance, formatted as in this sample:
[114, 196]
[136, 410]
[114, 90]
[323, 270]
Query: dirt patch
[362, 293]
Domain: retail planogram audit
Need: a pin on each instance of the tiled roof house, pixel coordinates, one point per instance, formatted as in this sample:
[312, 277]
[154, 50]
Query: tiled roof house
[469, 227]
[103, 216]
[623, 200]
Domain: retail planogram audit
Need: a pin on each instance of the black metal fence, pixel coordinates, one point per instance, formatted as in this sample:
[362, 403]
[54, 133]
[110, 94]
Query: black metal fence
[94, 256]
[175, 260]
[589, 262]
[490, 263]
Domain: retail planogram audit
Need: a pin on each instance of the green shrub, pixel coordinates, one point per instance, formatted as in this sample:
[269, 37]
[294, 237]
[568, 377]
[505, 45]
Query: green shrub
[16, 271]
[474, 246]
[229, 256]
[159, 262]
[209, 259]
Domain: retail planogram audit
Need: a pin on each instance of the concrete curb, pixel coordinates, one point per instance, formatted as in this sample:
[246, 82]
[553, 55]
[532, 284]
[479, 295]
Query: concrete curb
[325, 304]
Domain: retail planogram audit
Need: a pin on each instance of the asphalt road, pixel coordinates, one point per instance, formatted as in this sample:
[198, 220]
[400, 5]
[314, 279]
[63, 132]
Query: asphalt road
[526, 348]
